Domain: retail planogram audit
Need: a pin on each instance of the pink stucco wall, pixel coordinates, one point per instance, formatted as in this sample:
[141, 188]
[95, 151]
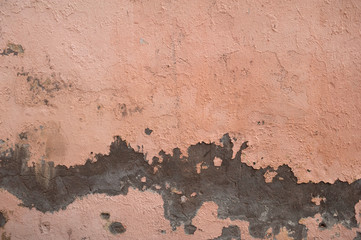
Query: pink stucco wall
[283, 75]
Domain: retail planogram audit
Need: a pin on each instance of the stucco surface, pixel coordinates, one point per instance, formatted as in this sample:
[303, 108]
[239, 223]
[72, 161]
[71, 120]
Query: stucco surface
[283, 75]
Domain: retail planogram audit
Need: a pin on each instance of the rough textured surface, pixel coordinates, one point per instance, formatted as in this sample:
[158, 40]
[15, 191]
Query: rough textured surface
[185, 183]
[282, 75]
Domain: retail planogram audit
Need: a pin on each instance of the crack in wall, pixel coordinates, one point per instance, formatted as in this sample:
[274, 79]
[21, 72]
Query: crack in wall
[239, 190]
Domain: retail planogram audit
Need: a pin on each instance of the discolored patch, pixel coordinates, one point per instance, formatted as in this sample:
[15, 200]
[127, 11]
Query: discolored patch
[239, 190]
[3, 220]
[105, 215]
[116, 228]
[39, 88]
[190, 229]
[148, 131]
[12, 48]
[230, 233]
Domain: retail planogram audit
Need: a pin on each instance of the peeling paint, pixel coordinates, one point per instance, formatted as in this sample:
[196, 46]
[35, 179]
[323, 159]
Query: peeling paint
[239, 190]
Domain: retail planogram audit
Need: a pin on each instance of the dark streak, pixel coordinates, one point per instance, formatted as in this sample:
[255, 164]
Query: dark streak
[239, 190]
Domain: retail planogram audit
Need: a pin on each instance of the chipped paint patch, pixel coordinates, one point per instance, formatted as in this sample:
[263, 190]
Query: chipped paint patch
[239, 190]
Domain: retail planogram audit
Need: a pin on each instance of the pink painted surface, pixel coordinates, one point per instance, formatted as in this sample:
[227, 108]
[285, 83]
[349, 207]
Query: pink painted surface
[284, 76]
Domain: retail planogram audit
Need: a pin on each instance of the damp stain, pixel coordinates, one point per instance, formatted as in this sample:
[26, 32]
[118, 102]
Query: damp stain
[116, 228]
[148, 131]
[239, 190]
[231, 232]
[12, 49]
[190, 229]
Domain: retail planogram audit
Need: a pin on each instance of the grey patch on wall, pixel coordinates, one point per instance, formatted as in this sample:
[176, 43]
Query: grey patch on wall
[12, 48]
[190, 229]
[239, 190]
[3, 220]
[105, 215]
[230, 233]
[148, 131]
[116, 228]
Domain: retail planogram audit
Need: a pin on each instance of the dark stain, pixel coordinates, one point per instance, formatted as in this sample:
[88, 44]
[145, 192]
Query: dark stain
[11, 48]
[122, 110]
[23, 135]
[3, 220]
[42, 87]
[190, 229]
[239, 190]
[230, 233]
[322, 225]
[105, 215]
[22, 73]
[260, 122]
[148, 131]
[116, 228]
[47, 85]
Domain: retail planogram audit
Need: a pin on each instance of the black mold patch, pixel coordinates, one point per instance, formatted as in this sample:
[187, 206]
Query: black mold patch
[230, 233]
[116, 228]
[105, 216]
[3, 220]
[11, 48]
[148, 131]
[239, 190]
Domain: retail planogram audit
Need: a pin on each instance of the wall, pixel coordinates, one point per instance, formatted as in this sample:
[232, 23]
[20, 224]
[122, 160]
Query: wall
[180, 119]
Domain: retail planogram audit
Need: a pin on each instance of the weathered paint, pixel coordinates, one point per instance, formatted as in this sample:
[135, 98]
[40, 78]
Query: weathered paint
[165, 75]
[240, 191]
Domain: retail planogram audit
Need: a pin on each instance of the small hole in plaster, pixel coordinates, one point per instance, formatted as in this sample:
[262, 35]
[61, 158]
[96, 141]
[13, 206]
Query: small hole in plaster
[105, 215]
[322, 225]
